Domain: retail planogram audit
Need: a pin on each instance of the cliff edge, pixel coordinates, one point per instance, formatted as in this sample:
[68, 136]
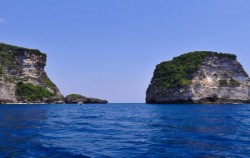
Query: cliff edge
[22, 77]
[200, 77]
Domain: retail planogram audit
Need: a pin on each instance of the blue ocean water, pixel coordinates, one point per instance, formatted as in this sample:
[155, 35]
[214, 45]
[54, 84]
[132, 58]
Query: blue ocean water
[124, 130]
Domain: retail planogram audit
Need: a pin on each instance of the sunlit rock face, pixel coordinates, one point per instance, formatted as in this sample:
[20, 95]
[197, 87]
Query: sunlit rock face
[22, 77]
[200, 77]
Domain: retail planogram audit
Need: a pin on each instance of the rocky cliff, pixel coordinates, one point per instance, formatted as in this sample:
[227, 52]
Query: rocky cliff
[22, 77]
[200, 77]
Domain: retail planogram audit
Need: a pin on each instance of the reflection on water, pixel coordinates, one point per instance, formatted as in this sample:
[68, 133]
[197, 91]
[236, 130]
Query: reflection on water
[125, 130]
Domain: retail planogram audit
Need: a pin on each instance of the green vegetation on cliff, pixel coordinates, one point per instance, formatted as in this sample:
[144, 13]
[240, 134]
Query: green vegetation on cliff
[231, 83]
[8, 53]
[30, 92]
[179, 71]
[7, 61]
[15, 50]
[75, 96]
[47, 82]
[1, 70]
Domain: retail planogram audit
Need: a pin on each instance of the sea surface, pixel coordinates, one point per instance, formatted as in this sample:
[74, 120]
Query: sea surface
[124, 131]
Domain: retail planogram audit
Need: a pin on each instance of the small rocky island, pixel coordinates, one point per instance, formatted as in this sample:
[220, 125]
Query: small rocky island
[200, 77]
[79, 99]
[23, 79]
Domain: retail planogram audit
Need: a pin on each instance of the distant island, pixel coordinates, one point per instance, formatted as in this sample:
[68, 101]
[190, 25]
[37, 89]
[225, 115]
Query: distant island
[201, 77]
[79, 99]
[23, 79]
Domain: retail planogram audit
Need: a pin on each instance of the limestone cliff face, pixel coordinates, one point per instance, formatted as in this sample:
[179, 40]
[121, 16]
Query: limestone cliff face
[22, 77]
[200, 77]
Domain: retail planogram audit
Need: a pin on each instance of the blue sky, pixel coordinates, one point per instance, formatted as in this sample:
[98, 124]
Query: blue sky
[109, 48]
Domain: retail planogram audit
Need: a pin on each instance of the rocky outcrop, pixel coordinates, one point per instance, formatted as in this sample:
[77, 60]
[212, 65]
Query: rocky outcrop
[22, 77]
[77, 98]
[200, 77]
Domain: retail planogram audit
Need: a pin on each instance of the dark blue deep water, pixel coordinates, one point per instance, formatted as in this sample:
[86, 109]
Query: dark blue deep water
[124, 130]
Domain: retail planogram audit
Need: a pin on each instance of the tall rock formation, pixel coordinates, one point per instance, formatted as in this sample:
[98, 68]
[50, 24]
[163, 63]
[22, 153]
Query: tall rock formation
[22, 77]
[200, 77]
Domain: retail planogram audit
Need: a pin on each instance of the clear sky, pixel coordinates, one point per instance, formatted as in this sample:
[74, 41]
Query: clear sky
[109, 48]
